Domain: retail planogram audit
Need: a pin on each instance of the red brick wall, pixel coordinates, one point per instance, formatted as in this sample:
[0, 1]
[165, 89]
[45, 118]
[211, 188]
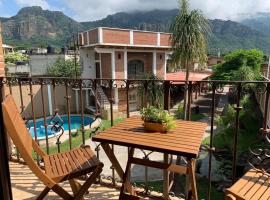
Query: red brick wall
[2, 63]
[93, 36]
[122, 104]
[119, 64]
[85, 38]
[165, 40]
[116, 36]
[144, 38]
[160, 65]
[80, 38]
[147, 59]
[106, 66]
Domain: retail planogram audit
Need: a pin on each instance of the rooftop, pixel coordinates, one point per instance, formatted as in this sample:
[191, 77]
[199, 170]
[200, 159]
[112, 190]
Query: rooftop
[124, 38]
[181, 76]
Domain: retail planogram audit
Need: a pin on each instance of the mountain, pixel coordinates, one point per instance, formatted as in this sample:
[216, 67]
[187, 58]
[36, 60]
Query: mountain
[33, 26]
[155, 20]
[226, 35]
[229, 35]
[259, 21]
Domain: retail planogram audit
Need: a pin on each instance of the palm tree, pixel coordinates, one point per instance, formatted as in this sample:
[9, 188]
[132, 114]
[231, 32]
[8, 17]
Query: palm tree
[189, 39]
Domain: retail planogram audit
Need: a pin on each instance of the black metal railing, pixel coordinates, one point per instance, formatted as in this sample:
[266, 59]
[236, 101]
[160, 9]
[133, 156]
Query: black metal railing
[49, 98]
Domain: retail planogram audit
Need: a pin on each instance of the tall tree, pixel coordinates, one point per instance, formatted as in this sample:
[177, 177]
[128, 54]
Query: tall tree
[189, 39]
[65, 68]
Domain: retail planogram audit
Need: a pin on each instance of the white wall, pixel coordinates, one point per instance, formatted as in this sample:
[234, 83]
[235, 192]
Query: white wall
[40, 63]
[87, 57]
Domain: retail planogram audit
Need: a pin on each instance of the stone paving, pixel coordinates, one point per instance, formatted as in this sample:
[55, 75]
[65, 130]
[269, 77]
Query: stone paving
[25, 185]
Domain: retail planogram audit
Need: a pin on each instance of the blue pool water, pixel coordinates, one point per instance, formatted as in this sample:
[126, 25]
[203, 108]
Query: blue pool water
[74, 119]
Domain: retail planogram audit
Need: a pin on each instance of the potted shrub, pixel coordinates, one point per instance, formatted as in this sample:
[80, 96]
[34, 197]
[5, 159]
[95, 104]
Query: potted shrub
[157, 120]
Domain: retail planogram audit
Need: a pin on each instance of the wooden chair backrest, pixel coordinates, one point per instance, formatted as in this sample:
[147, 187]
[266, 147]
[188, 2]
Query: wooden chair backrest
[16, 127]
[22, 139]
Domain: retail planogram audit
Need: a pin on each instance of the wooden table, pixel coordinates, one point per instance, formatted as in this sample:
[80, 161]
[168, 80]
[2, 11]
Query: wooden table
[184, 140]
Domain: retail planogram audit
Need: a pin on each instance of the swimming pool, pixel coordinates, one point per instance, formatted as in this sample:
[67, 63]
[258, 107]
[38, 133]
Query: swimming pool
[74, 119]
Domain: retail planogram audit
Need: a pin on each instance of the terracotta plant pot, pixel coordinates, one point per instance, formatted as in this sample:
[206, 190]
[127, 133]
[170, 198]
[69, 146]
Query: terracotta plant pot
[155, 127]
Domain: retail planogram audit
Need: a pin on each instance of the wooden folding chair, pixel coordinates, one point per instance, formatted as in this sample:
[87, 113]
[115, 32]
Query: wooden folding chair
[58, 167]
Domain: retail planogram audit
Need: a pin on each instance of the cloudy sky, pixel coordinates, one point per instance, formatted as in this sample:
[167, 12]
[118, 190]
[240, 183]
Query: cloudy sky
[86, 10]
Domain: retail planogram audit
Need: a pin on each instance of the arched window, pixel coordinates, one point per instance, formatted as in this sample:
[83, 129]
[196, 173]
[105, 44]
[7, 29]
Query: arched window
[135, 68]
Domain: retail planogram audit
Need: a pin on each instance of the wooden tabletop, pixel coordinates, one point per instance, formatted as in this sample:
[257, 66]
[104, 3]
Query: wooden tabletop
[185, 139]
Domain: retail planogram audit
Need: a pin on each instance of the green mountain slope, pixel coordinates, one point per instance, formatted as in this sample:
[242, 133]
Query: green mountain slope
[229, 35]
[226, 36]
[155, 20]
[259, 22]
[33, 26]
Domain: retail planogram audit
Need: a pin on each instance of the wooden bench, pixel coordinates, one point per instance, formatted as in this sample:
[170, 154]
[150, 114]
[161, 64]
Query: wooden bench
[254, 185]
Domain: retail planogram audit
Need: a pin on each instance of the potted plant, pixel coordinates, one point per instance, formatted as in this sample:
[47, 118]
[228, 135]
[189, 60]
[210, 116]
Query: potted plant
[157, 120]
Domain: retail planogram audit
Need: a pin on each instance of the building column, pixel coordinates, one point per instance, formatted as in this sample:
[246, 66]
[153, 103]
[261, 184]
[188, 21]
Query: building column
[100, 35]
[113, 64]
[116, 97]
[165, 67]
[77, 100]
[131, 37]
[154, 67]
[86, 98]
[50, 99]
[113, 77]
[125, 65]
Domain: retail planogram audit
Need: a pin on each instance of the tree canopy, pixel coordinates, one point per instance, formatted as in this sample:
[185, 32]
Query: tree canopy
[189, 39]
[15, 57]
[189, 36]
[240, 65]
[65, 68]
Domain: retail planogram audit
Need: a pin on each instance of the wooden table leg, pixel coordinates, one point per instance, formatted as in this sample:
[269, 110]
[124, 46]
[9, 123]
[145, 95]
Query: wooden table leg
[110, 154]
[192, 179]
[125, 177]
[166, 179]
[75, 186]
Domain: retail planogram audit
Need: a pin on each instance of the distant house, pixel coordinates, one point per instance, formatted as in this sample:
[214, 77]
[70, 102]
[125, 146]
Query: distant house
[213, 60]
[7, 49]
[41, 59]
[265, 69]
[112, 53]
[123, 54]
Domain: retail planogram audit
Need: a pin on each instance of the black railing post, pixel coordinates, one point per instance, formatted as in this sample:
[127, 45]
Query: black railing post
[68, 97]
[145, 99]
[167, 95]
[237, 109]
[112, 98]
[82, 112]
[44, 114]
[266, 109]
[127, 96]
[5, 185]
[211, 139]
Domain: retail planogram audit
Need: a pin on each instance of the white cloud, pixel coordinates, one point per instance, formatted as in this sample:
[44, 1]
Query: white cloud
[85, 10]
[231, 9]
[43, 3]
